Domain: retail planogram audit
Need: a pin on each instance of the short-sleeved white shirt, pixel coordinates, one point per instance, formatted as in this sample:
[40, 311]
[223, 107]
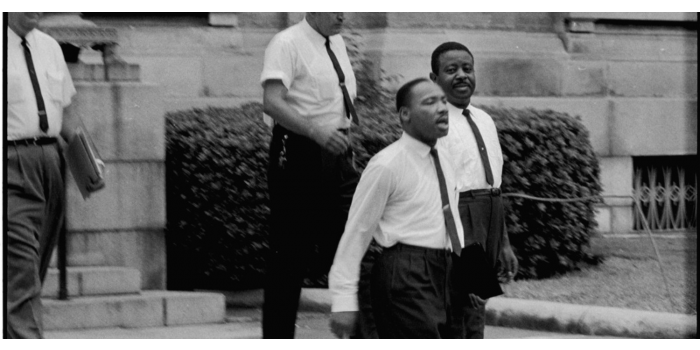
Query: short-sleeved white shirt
[297, 56]
[55, 83]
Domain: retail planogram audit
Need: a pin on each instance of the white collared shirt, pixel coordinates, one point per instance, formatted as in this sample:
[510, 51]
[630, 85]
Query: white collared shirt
[54, 81]
[397, 200]
[462, 149]
[297, 56]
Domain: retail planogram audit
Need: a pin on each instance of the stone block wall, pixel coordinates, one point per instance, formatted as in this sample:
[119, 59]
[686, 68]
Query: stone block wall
[635, 89]
[123, 224]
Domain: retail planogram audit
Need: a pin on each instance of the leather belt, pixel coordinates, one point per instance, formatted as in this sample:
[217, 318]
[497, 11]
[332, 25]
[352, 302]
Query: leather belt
[36, 141]
[493, 192]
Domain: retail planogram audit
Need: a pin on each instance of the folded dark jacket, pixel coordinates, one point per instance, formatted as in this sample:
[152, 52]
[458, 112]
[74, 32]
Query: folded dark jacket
[475, 275]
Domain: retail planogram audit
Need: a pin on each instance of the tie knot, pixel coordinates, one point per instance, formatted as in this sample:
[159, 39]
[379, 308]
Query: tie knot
[24, 41]
[465, 112]
[433, 152]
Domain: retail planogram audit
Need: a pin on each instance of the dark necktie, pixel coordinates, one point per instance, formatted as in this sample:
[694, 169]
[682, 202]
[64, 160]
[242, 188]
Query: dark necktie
[349, 108]
[482, 148]
[446, 211]
[43, 121]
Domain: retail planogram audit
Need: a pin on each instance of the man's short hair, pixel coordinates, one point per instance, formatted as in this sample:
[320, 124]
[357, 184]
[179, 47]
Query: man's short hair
[402, 96]
[444, 47]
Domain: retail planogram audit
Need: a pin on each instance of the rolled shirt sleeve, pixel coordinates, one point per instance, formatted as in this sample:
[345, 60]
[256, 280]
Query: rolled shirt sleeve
[279, 62]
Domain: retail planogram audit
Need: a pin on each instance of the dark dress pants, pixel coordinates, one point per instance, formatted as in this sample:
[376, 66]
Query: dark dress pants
[410, 290]
[35, 214]
[310, 195]
[483, 221]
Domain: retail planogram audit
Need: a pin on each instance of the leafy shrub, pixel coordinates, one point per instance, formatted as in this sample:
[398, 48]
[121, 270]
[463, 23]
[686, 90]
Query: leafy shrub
[217, 203]
[547, 154]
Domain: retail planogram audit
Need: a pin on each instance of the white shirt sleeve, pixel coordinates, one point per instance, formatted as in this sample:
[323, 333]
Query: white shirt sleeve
[279, 62]
[376, 185]
[68, 88]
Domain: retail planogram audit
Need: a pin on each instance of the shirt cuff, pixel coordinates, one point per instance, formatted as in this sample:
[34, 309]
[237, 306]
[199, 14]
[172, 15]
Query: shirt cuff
[342, 303]
[273, 75]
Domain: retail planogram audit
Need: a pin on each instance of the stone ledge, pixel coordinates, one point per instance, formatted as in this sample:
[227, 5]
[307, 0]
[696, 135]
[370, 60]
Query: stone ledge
[84, 281]
[191, 308]
[591, 320]
[149, 309]
[96, 72]
[133, 311]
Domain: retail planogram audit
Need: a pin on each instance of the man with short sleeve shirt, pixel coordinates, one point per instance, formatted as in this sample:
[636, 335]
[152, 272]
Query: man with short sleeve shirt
[39, 87]
[473, 147]
[311, 176]
[406, 201]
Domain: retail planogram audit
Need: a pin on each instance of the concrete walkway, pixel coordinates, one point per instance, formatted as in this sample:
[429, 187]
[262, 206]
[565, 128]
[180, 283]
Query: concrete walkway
[245, 324]
[523, 319]
[536, 315]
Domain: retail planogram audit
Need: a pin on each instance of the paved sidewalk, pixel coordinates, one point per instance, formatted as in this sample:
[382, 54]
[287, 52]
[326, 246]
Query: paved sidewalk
[536, 315]
[244, 323]
[523, 319]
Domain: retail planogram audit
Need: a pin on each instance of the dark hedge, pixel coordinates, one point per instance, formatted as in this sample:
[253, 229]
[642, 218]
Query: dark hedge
[547, 154]
[217, 204]
[217, 211]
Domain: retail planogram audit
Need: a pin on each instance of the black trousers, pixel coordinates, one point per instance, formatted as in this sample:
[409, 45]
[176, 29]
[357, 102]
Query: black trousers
[410, 290]
[483, 220]
[35, 214]
[310, 195]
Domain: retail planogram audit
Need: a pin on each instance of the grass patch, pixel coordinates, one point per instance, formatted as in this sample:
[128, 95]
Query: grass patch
[629, 277]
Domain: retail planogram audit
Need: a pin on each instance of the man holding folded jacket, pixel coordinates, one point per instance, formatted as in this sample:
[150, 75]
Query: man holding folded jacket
[473, 147]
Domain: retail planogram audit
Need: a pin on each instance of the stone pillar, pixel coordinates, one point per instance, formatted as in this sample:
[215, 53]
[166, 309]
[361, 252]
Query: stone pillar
[123, 224]
[615, 215]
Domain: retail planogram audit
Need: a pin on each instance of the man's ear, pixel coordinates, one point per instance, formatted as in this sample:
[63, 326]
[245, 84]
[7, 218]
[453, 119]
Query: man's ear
[433, 77]
[404, 115]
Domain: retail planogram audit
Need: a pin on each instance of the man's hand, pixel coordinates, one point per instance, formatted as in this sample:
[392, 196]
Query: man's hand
[334, 141]
[343, 323]
[475, 301]
[276, 106]
[509, 265]
[99, 184]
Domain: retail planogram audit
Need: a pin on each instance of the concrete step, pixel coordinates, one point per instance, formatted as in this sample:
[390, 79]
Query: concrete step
[147, 309]
[90, 280]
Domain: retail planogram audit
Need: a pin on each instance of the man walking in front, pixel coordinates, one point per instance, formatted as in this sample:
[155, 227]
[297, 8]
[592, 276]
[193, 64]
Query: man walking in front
[473, 147]
[406, 201]
[308, 87]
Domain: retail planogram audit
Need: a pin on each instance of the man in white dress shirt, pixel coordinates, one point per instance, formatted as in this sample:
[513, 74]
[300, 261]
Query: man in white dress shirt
[473, 147]
[39, 86]
[406, 201]
[308, 87]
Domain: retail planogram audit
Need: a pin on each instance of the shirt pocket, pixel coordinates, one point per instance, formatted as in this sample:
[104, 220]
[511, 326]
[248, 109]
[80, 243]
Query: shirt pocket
[54, 80]
[326, 80]
[15, 91]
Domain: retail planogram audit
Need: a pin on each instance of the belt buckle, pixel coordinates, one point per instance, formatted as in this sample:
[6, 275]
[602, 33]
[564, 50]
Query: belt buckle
[495, 192]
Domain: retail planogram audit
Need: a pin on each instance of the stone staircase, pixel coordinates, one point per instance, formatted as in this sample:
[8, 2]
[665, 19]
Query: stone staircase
[104, 297]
